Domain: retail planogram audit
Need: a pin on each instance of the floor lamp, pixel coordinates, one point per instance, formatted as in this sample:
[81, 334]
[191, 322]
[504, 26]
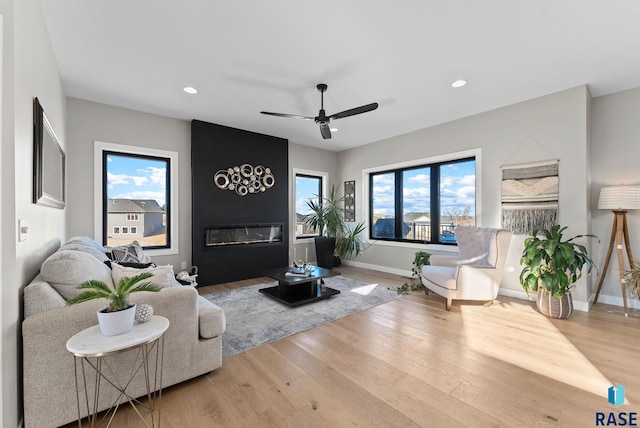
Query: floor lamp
[618, 199]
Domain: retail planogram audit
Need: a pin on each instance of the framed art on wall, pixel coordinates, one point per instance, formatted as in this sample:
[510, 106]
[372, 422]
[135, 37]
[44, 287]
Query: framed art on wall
[350, 201]
[48, 162]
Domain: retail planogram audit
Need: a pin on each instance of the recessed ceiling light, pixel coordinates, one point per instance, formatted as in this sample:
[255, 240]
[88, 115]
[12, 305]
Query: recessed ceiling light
[190, 90]
[333, 129]
[458, 83]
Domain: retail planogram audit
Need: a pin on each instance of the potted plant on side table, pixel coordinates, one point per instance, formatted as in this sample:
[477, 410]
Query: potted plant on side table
[117, 317]
[335, 238]
[551, 267]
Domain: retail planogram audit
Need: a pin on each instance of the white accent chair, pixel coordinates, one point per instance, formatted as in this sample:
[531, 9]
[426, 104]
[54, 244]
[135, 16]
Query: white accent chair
[475, 273]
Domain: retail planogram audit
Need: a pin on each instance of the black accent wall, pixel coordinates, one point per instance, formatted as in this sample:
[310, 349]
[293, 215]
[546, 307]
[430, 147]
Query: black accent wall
[215, 148]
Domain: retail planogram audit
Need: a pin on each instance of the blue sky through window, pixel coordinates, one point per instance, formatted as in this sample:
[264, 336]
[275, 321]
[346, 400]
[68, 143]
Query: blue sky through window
[457, 189]
[131, 177]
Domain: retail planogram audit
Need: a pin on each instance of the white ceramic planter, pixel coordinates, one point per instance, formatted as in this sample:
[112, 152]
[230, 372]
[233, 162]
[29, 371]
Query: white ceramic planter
[115, 323]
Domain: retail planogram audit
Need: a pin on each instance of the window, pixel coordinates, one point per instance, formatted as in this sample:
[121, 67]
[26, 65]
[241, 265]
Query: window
[423, 203]
[309, 186]
[136, 185]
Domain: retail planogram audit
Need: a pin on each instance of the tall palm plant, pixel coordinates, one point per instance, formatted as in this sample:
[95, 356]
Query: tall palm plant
[327, 217]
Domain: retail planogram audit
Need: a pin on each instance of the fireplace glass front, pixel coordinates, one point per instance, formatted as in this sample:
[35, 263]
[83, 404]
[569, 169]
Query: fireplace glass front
[217, 236]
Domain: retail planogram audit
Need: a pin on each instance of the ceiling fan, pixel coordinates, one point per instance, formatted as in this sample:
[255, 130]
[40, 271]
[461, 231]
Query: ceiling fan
[322, 119]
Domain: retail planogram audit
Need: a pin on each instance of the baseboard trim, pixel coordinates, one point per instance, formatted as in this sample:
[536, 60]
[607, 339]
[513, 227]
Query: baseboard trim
[379, 268]
[617, 301]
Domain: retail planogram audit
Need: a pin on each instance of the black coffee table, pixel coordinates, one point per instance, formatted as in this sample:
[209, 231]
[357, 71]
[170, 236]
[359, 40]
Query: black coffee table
[297, 290]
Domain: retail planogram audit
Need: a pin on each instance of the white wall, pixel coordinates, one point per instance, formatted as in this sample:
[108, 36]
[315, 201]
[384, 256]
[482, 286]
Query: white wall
[312, 159]
[615, 153]
[89, 122]
[29, 70]
[550, 127]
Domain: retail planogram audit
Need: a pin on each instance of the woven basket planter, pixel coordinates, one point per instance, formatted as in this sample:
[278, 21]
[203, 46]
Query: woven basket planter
[554, 307]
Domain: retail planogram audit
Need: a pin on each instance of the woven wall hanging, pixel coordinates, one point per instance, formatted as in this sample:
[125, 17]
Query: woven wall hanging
[530, 196]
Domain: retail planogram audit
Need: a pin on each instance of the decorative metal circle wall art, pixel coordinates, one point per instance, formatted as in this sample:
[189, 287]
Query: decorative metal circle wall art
[245, 179]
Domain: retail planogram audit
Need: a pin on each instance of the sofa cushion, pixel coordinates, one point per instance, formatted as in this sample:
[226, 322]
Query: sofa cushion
[86, 247]
[162, 275]
[211, 319]
[66, 269]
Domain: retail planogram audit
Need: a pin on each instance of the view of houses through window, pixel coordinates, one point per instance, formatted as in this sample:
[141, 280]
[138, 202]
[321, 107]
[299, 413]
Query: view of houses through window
[136, 191]
[308, 187]
[423, 203]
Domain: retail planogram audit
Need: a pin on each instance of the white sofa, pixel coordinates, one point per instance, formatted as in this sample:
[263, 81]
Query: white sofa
[192, 344]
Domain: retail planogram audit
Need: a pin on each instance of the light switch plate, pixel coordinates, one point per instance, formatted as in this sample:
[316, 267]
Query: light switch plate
[23, 229]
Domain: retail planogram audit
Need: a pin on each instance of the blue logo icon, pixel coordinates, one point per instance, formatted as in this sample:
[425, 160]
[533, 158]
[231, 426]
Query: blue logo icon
[616, 395]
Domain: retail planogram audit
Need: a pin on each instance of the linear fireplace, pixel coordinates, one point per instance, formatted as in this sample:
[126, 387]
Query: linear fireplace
[246, 234]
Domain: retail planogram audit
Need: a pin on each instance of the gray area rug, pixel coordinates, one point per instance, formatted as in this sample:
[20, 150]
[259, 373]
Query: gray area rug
[254, 319]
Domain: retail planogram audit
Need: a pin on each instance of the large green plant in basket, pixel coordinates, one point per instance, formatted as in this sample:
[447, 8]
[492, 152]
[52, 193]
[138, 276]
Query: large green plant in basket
[552, 265]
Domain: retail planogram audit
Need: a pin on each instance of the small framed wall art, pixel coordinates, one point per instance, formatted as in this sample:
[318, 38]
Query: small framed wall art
[350, 200]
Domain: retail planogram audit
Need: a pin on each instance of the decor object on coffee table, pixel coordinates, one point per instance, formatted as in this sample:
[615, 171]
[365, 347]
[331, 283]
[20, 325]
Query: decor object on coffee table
[335, 237]
[475, 273]
[117, 317]
[551, 267]
[618, 199]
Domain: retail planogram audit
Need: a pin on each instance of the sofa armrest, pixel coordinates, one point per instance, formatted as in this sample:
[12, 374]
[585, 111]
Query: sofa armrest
[40, 296]
[212, 319]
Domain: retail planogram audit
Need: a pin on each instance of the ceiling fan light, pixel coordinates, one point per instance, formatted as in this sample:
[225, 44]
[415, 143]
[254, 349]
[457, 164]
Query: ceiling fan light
[190, 90]
[458, 83]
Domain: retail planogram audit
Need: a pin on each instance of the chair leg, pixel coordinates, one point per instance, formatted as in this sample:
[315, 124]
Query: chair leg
[448, 304]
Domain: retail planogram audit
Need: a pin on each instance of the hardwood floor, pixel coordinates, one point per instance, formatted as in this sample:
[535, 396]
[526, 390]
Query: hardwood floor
[410, 363]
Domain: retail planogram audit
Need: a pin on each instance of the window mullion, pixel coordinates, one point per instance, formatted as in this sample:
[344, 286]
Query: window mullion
[398, 205]
[434, 215]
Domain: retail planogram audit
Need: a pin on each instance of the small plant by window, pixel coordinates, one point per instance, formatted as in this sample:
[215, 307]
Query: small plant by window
[415, 283]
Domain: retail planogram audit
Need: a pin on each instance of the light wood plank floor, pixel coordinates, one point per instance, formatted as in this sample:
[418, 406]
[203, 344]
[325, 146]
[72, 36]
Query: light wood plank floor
[410, 363]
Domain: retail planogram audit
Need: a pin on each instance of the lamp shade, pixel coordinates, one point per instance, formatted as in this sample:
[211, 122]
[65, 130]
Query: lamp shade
[619, 198]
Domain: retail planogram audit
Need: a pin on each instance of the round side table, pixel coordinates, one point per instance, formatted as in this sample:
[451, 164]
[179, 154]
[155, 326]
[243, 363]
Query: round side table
[90, 349]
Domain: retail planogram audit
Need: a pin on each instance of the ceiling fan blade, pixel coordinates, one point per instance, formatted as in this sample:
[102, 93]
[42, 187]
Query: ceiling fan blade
[324, 130]
[293, 116]
[354, 111]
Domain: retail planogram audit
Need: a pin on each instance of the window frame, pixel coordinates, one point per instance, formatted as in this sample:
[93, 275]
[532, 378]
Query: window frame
[417, 163]
[100, 147]
[324, 177]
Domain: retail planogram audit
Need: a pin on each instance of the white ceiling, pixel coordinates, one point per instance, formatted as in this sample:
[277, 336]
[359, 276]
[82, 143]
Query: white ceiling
[253, 55]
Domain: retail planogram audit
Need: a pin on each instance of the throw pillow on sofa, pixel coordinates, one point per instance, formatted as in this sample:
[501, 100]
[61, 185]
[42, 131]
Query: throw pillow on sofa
[162, 275]
[131, 253]
[66, 269]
